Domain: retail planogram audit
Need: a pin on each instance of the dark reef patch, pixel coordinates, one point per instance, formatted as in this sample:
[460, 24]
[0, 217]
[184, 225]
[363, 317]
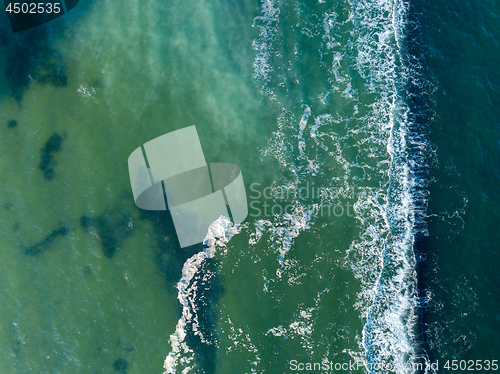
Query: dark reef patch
[53, 145]
[121, 365]
[27, 57]
[87, 271]
[51, 71]
[11, 124]
[168, 255]
[36, 249]
[86, 222]
[110, 228]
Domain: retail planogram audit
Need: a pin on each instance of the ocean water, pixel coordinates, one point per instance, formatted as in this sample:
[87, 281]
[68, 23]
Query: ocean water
[366, 133]
[462, 252]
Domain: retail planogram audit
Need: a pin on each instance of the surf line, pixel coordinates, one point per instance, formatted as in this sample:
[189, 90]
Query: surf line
[388, 335]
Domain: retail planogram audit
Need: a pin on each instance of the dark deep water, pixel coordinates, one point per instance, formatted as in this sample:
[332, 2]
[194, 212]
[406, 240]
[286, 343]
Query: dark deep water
[460, 42]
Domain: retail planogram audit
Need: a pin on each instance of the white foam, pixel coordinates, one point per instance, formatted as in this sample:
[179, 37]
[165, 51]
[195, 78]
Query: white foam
[267, 25]
[388, 303]
[284, 229]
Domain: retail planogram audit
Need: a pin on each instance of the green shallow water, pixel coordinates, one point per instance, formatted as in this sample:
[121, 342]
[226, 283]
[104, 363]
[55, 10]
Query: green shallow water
[133, 74]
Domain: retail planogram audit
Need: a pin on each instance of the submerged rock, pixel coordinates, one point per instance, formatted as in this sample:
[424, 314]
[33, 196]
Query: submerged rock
[11, 124]
[28, 58]
[51, 71]
[87, 271]
[110, 228]
[121, 365]
[39, 247]
[168, 254]
[86, 222]
[52, 145]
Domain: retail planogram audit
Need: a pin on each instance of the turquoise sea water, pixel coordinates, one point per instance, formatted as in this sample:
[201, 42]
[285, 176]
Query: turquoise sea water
[366, 133]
